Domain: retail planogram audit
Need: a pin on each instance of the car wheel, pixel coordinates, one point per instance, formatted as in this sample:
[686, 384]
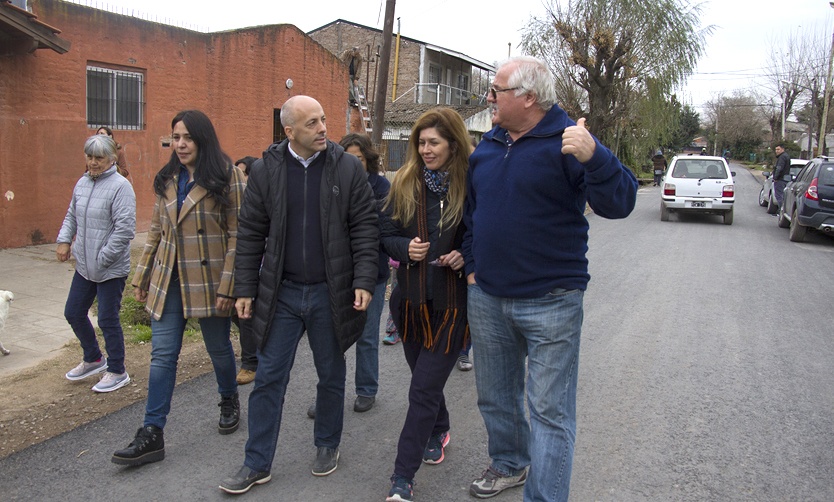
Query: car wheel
[762, 201]
[728, 217]
[783, 220]
[664, 212]
[797, 233]
[772, 208]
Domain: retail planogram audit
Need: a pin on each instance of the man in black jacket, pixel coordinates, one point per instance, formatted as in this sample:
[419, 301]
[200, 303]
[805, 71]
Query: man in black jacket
[306, 260]
[780, 172]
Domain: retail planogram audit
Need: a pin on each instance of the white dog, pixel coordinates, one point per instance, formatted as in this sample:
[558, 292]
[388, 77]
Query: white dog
[6, 297]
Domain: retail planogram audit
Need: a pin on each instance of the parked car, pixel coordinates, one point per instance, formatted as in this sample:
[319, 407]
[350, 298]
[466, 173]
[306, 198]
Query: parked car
[698, 184]
[766, 195]
[809, 200]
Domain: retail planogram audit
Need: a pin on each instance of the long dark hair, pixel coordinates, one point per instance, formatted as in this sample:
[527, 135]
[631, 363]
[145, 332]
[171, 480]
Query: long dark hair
[247, 162]
[363, 142]
[212, 171]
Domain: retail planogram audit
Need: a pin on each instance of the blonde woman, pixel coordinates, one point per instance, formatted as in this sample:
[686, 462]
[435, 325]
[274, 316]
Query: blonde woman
[422, 229]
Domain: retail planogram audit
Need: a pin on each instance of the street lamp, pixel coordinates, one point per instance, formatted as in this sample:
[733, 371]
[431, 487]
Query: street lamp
[826, 94]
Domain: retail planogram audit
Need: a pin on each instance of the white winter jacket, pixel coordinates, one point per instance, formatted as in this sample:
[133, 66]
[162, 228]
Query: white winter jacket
[102, 219]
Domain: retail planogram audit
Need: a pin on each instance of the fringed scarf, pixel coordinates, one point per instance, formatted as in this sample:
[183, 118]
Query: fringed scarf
[445, 324]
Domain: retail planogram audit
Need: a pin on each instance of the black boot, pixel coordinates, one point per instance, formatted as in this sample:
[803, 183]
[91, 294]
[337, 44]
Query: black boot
[148, 446]
[229, 414]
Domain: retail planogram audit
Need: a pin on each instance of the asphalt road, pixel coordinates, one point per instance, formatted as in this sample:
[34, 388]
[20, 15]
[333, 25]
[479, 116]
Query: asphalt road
[705, 374]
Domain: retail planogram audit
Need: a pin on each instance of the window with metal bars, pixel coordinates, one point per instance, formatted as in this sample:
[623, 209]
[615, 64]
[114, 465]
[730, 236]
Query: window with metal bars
[115, 98]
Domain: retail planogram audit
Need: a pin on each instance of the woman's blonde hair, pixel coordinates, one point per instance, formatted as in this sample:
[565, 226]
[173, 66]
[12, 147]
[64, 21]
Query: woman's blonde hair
[409, 178]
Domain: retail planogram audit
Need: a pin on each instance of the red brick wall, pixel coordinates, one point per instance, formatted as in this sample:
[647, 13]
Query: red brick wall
[236, 77]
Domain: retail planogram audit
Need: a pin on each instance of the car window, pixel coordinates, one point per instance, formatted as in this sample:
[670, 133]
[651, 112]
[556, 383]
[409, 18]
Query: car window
[809, 172]
[680, 170]
[826, 175]
[699, 169]
[803, 173]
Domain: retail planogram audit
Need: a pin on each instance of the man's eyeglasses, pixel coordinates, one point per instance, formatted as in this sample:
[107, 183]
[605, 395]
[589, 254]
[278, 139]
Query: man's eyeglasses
[495, 90]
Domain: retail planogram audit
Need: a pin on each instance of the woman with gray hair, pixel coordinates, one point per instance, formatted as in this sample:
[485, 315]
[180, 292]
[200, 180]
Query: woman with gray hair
[98, 228]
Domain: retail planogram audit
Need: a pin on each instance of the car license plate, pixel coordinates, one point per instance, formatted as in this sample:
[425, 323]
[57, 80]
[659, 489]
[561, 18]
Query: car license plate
[697, 204]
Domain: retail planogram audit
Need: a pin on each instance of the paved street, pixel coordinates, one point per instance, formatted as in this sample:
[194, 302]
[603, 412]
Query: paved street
[705, 374]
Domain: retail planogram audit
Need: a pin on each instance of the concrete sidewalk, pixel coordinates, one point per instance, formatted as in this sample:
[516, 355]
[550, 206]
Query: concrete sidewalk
[36, 329]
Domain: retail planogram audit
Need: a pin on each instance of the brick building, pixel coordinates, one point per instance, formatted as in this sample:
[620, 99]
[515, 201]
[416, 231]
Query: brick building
[134, 76]
[421, 75]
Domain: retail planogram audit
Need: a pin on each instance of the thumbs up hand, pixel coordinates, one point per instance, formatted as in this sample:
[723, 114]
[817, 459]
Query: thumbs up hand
[577, 141]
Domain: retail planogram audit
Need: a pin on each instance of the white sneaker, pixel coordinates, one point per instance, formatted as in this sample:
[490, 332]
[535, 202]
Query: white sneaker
[84, 370]
[111, 381]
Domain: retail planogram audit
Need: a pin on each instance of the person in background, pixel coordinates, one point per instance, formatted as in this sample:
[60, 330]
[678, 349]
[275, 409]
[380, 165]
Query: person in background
[659, 165]
[367, 347]
[248, 345]
[187, 271]
[121, 162]
[527, 271]
[464, 361]
[422, 230]
[290, 280]
[392, 336]
[98, 228]
[353, 59]
[781, 173]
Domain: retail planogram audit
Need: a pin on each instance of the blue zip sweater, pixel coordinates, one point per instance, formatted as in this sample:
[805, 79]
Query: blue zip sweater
[526, 230]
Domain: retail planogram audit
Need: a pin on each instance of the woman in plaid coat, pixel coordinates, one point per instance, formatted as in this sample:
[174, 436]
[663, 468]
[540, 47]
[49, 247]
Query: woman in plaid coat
[186, 271]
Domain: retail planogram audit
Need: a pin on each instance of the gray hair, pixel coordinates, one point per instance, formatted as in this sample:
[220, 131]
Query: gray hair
[99, 145]
[532, 75]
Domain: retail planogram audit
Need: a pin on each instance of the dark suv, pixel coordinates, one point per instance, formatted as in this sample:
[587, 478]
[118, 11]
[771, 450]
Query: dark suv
[809, 200]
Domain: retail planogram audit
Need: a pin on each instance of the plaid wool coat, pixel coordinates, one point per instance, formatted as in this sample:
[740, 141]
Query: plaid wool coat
[201, 241]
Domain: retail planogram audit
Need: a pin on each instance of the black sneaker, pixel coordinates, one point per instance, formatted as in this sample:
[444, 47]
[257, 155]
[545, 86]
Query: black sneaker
[327, 459]
[436, 448]
[245, 479]
[363, 403]
[148, 446]
[229, 414]
[402, 489]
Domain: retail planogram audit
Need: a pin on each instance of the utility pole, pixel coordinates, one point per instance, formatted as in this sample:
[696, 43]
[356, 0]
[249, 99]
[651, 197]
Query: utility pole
[384, 64]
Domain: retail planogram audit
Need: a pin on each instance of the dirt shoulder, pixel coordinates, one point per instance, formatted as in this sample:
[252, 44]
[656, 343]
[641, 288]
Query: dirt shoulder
[40, 403]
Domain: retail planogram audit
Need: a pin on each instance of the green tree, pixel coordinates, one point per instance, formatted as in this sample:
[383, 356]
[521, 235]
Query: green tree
[611, 57]
[689, 124]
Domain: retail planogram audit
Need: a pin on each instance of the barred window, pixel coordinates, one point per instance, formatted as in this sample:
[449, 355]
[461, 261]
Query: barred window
[115, 98]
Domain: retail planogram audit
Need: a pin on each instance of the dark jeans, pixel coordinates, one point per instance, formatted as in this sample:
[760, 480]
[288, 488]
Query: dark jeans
[248, 344]
[779, 190]
[299, 307]
[427, 413]
[109, 293]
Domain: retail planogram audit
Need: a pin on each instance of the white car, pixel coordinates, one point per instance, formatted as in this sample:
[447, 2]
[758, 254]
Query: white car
[698, 184]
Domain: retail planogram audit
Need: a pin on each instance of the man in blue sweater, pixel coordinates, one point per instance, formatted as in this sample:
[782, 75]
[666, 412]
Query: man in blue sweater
[529, 181]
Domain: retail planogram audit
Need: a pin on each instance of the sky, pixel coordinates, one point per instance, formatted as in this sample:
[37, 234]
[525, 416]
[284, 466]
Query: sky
[735, 57]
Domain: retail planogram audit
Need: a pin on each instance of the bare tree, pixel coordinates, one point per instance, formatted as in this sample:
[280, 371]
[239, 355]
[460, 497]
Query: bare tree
[734, 122]
[607, 53]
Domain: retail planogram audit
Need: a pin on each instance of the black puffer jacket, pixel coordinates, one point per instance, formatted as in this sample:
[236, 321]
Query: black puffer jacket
[349, 232]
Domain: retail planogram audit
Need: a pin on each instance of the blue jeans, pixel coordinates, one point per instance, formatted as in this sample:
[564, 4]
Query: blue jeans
[367, 347]
[109, 293]
[299, 307]
[166, 342]
[546, 331]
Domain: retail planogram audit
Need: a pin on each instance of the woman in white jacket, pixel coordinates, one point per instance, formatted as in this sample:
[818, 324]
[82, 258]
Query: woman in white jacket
[98, 227]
